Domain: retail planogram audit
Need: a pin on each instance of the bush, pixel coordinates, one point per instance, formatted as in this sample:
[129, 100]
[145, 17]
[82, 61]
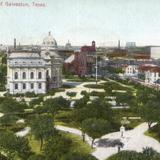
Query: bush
[96, 86]
[30, 94]
[53, 91]
[71, 94]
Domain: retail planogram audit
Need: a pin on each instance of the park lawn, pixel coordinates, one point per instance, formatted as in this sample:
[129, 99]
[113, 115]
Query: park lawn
[95, 86]
[34, 144]
[77, 79]
[78, 146]
[154, 132]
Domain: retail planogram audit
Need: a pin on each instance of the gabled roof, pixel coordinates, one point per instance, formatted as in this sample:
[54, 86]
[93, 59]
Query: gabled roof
[70, 59]
[149, 67]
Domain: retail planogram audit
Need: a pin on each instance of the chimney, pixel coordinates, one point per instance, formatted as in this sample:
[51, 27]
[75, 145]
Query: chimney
[15, 43]
[119, 44]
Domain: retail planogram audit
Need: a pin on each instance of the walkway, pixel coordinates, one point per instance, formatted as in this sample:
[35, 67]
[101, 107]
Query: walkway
[78, 89]
[134, 140]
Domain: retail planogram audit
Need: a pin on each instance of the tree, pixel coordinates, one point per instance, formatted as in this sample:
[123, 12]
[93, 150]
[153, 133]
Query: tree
[150, 154]
[57, 147]
[54, 105]
[81, 102]
[8, 119]
[42, 128]
[10, 105]
[36, 157]
[99, 109]
[148, 105]
[95, 128]
[146, 154]
[13, 145]
[71, 94]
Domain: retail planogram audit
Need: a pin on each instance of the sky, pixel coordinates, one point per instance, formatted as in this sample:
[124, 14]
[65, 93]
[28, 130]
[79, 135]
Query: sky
[81, 21]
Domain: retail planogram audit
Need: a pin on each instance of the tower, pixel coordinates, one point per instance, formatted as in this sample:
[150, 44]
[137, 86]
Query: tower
[93, 44]
[15, 43]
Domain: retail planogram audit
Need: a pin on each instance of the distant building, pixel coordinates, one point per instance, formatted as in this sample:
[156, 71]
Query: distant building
[151, 73]
[153, 52]
[65, 51]
[130, 44]
[130, 70]
[33, 70]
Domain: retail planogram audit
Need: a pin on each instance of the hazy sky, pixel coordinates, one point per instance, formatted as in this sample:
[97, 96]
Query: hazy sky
[82, 21]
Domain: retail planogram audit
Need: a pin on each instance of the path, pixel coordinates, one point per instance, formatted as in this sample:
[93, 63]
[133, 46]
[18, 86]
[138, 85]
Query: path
[134, 140]
[78, 89]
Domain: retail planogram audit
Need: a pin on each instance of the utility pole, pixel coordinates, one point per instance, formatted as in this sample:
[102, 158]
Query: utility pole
[96, 69]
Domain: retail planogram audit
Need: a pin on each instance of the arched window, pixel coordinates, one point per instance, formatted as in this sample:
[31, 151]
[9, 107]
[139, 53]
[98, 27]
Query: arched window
[24, 75]
[24, 86]
[39, 85]
[16, 86]
[16, 75]
[32, 75]
[39, 75]
[32, 85]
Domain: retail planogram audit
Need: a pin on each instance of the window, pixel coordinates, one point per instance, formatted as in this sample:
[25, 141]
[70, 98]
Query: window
[24, 86]
[39, 85]
[32, 75]
[16, 86]
[24, 75]
[32, 85]
[39, 75]
[16, 75]
[47, 73]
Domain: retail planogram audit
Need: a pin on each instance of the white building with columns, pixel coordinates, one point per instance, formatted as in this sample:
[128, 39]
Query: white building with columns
[31, 70]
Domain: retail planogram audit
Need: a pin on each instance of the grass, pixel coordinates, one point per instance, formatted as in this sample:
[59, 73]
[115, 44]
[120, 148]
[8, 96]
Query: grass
[34, 144]
[83, 79]
[96, 86]
[71, 124]
[154, 132]
[78, 145]
[128, 113]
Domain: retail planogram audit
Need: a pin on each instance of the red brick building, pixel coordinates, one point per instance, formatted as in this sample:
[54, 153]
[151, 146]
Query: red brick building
[81, 63]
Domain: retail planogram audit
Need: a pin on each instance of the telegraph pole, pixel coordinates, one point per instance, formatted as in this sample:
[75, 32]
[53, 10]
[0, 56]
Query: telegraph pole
[96, 69]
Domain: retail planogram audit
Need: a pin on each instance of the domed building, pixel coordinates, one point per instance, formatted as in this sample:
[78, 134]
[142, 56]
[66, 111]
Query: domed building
[30, 70]
[50, 54]
[49, 42]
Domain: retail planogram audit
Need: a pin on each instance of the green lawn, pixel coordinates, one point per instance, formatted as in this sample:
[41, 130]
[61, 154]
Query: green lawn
[34, 144]
[78, 146]
[154, 132]
[96, 86]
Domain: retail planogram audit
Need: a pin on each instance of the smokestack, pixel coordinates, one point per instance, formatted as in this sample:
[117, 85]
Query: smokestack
[14, 43]
[119, 44]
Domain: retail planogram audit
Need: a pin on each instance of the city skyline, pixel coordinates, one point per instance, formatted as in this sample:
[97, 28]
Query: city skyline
[105, 21]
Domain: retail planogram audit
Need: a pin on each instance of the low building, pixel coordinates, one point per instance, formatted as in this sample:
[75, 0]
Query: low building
[130, 70]
[151, 73]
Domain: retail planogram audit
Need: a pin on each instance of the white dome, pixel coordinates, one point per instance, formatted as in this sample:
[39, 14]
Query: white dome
[49, 41]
